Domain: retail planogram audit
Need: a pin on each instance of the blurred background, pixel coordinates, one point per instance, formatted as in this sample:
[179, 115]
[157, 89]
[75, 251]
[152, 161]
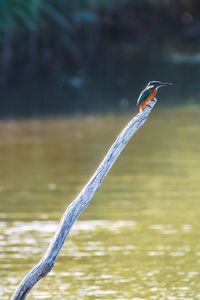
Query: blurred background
[63, 57]
[70, 75]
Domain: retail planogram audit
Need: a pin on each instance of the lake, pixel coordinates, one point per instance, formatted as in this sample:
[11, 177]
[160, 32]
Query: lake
[138, 239]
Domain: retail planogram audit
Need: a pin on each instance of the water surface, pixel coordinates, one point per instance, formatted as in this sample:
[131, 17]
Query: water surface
[139, 238]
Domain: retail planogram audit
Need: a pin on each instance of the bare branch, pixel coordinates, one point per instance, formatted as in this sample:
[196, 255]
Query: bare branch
[79, 205]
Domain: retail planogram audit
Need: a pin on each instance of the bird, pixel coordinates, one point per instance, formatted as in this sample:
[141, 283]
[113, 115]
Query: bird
[149, 93]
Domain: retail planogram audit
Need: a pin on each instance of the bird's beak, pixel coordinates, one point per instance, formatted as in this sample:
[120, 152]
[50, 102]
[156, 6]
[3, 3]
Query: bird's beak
[165, 83]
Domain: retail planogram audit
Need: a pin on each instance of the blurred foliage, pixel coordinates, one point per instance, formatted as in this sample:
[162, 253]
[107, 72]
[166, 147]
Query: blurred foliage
[88, 49]
[58, 35]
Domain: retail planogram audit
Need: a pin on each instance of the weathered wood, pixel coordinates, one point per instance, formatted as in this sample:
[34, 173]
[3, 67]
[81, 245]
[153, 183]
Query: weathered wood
[79, 205]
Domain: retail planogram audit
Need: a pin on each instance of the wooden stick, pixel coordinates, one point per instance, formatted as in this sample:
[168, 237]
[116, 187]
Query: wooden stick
[79, 205]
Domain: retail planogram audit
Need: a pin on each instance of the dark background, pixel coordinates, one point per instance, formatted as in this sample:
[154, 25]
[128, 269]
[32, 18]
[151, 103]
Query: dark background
[62, 57]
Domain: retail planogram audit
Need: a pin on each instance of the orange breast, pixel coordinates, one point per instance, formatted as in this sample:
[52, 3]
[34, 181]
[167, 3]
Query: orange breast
[148, 99]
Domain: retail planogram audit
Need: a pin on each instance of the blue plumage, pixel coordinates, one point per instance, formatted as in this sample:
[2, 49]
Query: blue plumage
[143, 96]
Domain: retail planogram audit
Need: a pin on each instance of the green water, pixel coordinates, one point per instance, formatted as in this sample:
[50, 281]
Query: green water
[139, 238]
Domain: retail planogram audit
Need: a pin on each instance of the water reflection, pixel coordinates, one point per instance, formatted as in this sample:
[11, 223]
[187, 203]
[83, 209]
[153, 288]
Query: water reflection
[87, 250]
[139, 237]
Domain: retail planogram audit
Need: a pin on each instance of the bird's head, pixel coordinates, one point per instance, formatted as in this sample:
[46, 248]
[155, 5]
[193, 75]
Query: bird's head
[157, 84]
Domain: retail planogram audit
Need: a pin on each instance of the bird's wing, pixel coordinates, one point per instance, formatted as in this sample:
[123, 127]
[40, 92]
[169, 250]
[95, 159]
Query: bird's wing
[144, 94]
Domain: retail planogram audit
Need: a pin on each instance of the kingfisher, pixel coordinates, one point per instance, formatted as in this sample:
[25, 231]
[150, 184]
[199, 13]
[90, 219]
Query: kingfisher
[149, 93]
